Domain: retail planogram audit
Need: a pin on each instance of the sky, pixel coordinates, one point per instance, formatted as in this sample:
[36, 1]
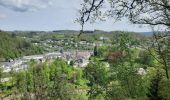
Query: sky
[49, 15]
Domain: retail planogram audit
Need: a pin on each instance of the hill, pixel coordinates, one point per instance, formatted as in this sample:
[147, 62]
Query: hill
[12, 46]
[146, 33]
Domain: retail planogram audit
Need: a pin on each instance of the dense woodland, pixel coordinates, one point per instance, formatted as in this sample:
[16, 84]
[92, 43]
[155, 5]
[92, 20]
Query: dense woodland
[12, 46]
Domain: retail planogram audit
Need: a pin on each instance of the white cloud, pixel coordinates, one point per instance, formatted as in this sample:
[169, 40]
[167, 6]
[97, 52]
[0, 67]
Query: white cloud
[25, 5]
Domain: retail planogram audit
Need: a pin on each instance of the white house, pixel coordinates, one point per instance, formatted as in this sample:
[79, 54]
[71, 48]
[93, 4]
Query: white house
[39, 58]
[53, 55]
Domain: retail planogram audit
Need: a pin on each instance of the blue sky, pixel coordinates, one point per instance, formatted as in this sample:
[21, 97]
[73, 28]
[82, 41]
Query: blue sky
[48, 15]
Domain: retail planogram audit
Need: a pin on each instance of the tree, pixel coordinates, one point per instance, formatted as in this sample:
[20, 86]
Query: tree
[40, 81]
[124, 70]
[61, 88]
[97, 74]
[102, 51]
[161, 47]
[151, 12]
[1, 75]
[154, 87]
[21, 84]
[146, 59]
[71, 63]
[95, 51]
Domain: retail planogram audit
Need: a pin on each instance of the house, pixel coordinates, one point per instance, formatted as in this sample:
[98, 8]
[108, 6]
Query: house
[53, 55]
[81, 62]
[68, 56]
[82, 54]
[81, 58]
[38, 58]
[13, 65]
[83, 42]
[5, 79]
[103, 38]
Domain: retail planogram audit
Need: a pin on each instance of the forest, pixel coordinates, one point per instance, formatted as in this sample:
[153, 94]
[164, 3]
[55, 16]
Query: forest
[12, 47]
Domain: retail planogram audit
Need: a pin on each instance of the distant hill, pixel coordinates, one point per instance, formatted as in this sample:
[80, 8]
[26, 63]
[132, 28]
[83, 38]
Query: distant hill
[72, 31]
[65, 31]
[12, 46]
[146, 33]
[100, 32]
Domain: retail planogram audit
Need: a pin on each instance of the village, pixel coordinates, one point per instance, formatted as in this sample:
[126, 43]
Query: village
[56, 49]
[79, 59]
[75, 53]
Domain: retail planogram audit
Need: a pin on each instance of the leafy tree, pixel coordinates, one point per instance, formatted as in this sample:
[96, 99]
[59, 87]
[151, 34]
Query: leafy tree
[95, 51]
[151, 12]
[124, 72]
[1, 75]
[71, 63]
[63, 81]
[161, 46]
[21, 83]
[13, 47]
[97, 74]
[146, 59]
[102, 51]
[164, 91]
[154, 87]
[40, 81]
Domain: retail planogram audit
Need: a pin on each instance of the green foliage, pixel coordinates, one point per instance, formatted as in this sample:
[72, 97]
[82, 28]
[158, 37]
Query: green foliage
[146, 59]
[95, 52]
[97, 75]
[51, 81]
[103, 51]
[164, 89]
[154, 87]
[21, 81]
[13, 47]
